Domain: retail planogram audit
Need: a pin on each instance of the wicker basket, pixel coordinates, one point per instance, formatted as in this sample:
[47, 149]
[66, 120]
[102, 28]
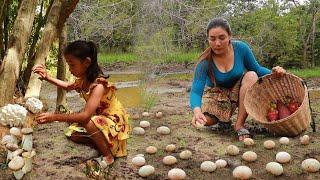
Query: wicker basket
[270, 88]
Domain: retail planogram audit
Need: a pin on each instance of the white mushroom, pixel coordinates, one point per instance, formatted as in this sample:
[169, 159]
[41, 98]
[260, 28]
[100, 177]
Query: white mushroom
[34, 105]
[12, 147]
[249, 156]
[283, 157]
[146, 170]
[170, 148]
[220, 163]
[151, 149]
[208, 166]
[16, 163]
[144, 124]
[18, 174]
[26, 130]
[138, 131]
[13, 115]
[138, 161]
[232, 150]
[27, 142]
[242, 172]
[159, 115]
[145, 114]
[274, 168]
[284, 140]
[304, 140]
[269, 144]
[163, 130]
[248, 142]
[9, 139]
[27, 156]
[310, 165]
[169, 160]
[176, 174]
[15, 132]
[186, 154]
[17, 152]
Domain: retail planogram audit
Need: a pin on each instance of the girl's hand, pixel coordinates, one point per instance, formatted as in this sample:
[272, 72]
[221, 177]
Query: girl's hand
[278, 71]
[198, 116]
[45, 118]
[41, 70]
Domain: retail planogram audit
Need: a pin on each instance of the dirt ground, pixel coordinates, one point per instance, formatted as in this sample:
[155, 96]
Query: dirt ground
[59, 158]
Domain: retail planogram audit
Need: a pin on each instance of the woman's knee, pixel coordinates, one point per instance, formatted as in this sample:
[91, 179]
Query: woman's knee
[250, 78]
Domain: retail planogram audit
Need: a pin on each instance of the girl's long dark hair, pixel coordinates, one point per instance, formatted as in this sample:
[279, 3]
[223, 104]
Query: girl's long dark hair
[83, 49]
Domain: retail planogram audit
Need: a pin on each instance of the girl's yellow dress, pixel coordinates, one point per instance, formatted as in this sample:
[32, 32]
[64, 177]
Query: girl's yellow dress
[111, 118]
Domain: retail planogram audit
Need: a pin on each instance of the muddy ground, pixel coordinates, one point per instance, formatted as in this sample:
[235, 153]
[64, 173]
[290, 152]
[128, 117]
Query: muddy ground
[59, 158]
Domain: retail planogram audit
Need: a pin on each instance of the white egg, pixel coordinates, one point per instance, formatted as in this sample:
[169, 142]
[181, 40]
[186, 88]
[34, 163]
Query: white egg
[269, 144]
[138, 161]
[176, 174]
[310, 165]
[146, 170]
[283, 157]
[242, 172]
[170, 148]
[274, 168]
[208, 166]
[248, 142]
[249, 156]
[232, 150]
[304, 140]
[151, 149]
[138, 131]
[163, 130]
[220, 163]
[145, 114]
[144, 124]
[169, 160]
[186, 154]
[159, 115]
[284, 140]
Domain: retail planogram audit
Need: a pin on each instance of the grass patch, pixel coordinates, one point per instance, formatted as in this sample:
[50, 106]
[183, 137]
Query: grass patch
[306, 73]
[181, 57]
[106, 59]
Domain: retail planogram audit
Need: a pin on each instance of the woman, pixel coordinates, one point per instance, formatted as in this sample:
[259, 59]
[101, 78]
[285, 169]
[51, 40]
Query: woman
[229, 68]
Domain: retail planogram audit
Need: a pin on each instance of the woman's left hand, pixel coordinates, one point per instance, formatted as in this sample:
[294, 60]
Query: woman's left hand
[278, 70]
[45, 118]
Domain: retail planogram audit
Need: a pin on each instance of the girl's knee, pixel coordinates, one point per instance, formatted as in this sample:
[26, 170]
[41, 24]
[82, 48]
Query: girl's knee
[90, 126]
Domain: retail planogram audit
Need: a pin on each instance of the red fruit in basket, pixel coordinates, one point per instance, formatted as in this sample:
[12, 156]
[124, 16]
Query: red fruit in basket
[283, 110]
[273, 113]
[293, 106]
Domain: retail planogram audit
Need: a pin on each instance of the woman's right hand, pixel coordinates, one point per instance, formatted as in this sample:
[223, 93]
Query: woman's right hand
[41, 70]
[198, 116]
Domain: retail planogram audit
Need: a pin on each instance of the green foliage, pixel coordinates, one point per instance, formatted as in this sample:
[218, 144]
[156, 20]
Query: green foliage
[105, 59]
[306, 73]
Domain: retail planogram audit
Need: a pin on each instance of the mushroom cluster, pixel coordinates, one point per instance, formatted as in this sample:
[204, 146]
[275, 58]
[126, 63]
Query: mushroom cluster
[13, 115]
[34, 105]
[20, 159]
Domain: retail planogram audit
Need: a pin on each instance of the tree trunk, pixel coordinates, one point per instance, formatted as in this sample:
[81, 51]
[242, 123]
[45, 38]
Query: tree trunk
[2, 10]
[10, 68]
[61, 69]
[49, 34]
[31, 56]
[59, 12]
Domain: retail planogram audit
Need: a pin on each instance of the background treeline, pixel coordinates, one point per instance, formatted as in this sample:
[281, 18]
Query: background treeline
[281, 32]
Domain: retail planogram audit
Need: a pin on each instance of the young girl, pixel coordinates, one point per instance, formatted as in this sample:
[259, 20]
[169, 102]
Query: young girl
[104, 120]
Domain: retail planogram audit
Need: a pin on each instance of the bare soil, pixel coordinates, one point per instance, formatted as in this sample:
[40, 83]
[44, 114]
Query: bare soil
[59, 158]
